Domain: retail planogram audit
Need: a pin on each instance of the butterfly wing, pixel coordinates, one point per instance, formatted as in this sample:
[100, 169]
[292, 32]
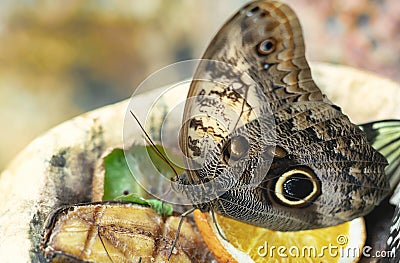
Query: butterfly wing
[265, 40]
[384, 136]
[254, 65]
[393, 244]
[285, 157]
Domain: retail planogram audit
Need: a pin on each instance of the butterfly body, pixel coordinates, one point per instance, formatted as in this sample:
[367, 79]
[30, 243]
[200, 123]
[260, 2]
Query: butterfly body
[263, 144]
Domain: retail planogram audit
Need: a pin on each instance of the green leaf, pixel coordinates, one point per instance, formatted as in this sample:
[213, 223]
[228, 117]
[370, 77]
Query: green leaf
[120, 183]
[160, 207]
[157, 205]
[118, 178]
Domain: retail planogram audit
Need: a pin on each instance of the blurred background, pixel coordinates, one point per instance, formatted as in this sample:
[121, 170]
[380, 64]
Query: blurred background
[59, 59]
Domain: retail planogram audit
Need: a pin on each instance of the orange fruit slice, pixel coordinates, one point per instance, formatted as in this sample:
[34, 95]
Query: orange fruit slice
[248, 243]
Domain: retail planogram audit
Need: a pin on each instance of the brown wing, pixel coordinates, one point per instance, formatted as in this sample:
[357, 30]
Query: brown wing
[264, 39]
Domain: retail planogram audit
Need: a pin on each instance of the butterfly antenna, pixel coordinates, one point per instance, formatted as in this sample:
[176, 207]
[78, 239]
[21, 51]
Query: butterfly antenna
[153, 146]
[178, 231]
[242, 110]
[216, 226]
[102, 243]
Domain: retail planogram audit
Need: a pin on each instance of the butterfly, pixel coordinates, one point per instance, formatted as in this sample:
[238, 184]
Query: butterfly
[262, 143]
[385, 137]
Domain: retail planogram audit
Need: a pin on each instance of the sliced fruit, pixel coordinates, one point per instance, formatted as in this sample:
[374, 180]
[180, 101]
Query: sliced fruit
[119, 232]
[247, 243]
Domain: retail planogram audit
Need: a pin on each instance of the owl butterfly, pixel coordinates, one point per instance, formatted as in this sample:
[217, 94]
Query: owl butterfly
[263, 145]
[385, 137]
